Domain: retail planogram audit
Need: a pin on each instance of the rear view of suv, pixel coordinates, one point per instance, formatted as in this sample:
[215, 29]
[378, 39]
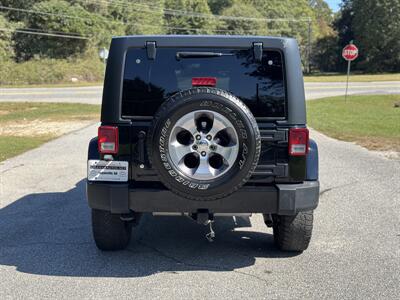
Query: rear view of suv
[203, 126]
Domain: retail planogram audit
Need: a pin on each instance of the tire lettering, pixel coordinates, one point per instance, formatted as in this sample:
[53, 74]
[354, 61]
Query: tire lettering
[179, 179]
[193, 185]
[243, 134]
[244, 158]
[203, 186]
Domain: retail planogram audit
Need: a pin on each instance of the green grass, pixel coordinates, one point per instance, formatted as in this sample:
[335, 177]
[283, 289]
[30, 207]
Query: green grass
[13, 145]
[12, 113]
[371, 121]
[353, 77]
[15, 111]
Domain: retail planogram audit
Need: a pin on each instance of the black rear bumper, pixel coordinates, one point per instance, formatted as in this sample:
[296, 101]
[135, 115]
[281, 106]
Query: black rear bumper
[282, 199]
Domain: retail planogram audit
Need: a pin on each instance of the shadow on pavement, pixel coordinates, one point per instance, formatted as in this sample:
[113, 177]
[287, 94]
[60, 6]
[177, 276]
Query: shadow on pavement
[50, 234]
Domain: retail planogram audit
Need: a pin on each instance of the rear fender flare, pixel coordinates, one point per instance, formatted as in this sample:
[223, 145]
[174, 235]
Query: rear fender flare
[312, 166]
[93, 150]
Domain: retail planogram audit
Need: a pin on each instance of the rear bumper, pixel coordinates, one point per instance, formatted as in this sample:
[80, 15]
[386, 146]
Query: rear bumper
[282, 199]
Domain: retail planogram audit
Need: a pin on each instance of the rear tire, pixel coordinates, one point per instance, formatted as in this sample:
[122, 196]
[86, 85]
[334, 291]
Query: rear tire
[109, 231]
[293, 233]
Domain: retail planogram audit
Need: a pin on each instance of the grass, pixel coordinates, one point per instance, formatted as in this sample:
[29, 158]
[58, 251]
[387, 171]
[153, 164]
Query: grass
[371, 121]
[13, 145]
[48, 72]
[24, 126]
[353, 77]
[17, 111]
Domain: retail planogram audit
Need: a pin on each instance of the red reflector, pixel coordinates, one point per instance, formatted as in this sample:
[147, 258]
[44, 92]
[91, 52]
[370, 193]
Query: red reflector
[298, 141]
[204, 81]
[108, 139]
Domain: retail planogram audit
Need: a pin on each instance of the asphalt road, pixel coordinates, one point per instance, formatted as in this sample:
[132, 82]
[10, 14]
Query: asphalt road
[92, 95]
[315, 90]
[46, 248]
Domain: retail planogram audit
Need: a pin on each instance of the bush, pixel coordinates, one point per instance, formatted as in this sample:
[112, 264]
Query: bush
[6, 46]
[50, 71]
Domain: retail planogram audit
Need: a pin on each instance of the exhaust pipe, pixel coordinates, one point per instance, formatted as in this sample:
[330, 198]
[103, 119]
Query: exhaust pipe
[268, 220]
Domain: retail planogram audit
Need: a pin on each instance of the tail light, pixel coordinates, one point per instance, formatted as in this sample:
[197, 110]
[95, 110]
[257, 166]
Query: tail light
[298, 141]
[204, 81]
[108, 139]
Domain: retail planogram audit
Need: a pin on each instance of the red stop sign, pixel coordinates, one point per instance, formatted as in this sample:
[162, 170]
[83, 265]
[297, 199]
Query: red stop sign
[350, 52]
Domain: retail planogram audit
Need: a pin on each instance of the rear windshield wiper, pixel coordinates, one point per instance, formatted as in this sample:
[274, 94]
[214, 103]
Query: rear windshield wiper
[180, 55]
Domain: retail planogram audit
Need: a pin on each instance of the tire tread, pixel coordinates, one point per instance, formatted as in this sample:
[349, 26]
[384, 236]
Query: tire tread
[109, 231]
[293, 233]
[184, 95]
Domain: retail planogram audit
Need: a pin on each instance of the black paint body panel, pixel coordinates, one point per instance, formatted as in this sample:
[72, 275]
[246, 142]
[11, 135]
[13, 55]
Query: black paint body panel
[280, 184]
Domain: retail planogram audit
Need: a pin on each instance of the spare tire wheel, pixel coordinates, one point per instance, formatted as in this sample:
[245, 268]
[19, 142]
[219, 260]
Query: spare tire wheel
[204, 143]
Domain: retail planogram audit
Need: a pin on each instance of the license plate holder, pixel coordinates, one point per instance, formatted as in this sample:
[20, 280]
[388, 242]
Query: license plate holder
[102, 170]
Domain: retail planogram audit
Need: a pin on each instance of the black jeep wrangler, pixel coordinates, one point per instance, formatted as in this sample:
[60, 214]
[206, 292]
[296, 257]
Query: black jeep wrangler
[203, 126]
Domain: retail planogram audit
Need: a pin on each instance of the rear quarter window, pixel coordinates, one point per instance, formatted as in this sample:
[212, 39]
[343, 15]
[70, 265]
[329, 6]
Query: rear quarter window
[260, 85]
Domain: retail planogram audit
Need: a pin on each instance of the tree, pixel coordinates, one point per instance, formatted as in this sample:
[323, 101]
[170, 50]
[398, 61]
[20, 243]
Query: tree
[327, 54]
[376, 26]
[188, 23]
[217, 6]
[6, 46]
[322, 9]
[287, 18]
[324, 17]
[243, 26]
[13, 15]
[59, 18]
[343, 26]
[144, 17]
[326, 51]
[98, 7]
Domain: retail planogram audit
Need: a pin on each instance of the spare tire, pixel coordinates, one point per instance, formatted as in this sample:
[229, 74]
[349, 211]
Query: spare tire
[204, 143]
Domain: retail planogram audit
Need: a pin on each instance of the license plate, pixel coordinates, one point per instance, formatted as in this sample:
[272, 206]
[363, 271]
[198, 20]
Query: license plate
[101, 170]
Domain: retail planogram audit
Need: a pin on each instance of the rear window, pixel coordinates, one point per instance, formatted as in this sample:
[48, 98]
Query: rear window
[260, 85]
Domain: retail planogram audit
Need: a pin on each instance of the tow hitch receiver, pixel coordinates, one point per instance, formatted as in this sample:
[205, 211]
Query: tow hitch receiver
[205, 218]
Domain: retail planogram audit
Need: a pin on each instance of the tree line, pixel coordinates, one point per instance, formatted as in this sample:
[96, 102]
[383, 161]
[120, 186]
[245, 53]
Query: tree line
[374, 26]
[66, 29]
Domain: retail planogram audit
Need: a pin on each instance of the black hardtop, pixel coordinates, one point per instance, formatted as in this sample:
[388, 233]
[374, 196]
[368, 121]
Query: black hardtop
[202, 41]
[112, 93]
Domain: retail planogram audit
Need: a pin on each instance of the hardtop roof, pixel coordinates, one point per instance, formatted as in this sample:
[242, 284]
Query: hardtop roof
[203, 41]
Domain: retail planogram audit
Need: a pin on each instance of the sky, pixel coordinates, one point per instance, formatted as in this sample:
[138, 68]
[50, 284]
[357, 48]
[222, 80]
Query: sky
[334, 4]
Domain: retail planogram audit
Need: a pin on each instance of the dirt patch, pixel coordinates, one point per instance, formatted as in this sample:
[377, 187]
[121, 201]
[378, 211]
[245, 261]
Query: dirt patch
[389, 154]
[386, 147]
[379, 143]
[4, 112]
[34, 128]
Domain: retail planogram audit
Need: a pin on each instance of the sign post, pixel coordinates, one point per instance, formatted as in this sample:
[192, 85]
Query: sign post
[103, 53]
[349, 53]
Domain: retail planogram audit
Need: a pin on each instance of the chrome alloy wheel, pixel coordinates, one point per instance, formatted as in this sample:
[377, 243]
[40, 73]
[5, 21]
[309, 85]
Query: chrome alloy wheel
[203, 145]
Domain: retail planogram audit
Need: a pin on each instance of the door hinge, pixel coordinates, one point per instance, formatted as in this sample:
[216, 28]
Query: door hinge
[151, 50]
[258, 51]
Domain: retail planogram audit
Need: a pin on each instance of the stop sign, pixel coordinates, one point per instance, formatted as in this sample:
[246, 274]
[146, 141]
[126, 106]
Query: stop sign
[350, 52]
